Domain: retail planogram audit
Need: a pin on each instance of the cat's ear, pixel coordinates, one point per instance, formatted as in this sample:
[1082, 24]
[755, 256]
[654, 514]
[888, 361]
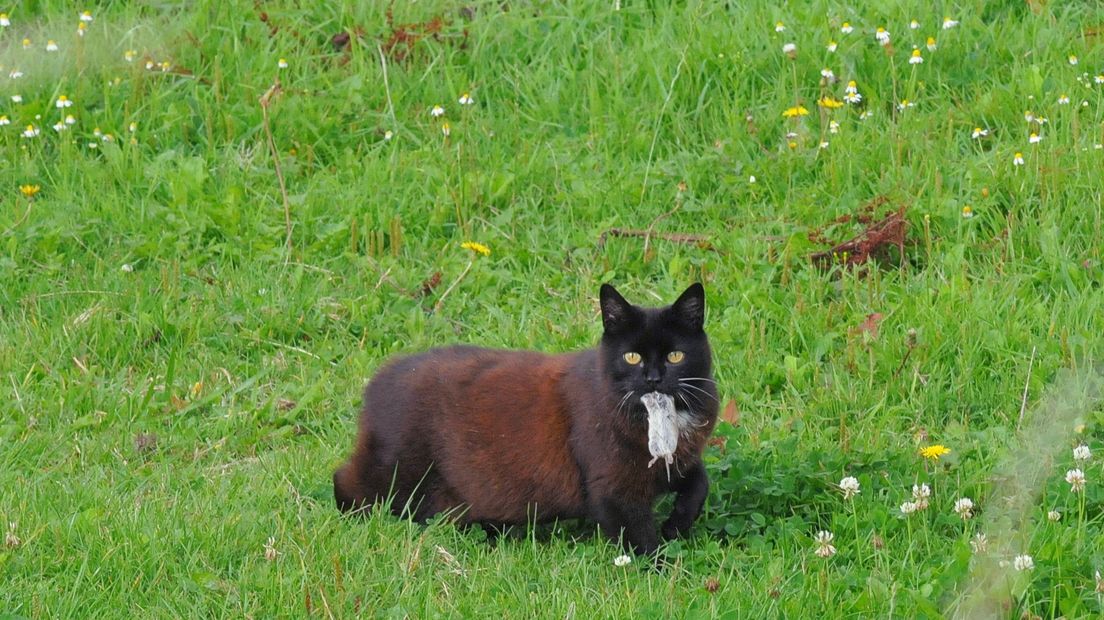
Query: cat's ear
[689, 308]
[615, 310]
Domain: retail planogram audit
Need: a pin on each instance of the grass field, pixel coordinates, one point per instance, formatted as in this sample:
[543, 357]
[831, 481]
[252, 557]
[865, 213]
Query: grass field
[180, 381]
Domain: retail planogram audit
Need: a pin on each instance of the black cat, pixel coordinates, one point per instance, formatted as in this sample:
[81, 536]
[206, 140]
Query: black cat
[505, 437]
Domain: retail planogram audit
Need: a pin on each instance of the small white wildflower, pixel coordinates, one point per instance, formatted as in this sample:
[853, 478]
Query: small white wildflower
[751, 179]
[387, 135]
[1063, 99]
[916, 58]
[282, 63]
[832, 46]
[1054, 516]
[5, 21]
[70, 119]
[1029, 116]
[4, 120]
[10, 539]
[17, 98]
[905, 103]
[1017, 159]
[851, 93]
[882, 35]
[964, 507]
[31, 131]
[1072, 59]
[1034, 138]
[1076, 480]
[823, 540]
[979, 543]
[60, 126]
[133, 127]
[949, 23]
[466, 99]
[51, 46]
[849, 486]
[823, 145]
[1023, 562]
[921, 494]
[622, 560]
[846, 28]
[81, 29]
[827, 74]
[26, 43]
[779, 27]
[1099, 79]
[931, 45]
[445, 129]
[270, 552]
[978, 132]
[833, 127]
[86, 16]
[1042, 120]
[130, 55]
[1082, 453]
[126, 268]
[913, 25]
[63, 102]
[865, 114]
[150, 65]
[436, 111]
[789, 49]
[908, 508]
[15, 74]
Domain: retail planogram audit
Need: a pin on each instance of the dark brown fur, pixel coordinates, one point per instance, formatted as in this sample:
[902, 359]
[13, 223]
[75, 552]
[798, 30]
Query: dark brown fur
[506, 437]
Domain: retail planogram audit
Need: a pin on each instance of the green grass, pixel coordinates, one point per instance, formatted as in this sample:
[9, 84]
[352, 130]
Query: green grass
[160, 423]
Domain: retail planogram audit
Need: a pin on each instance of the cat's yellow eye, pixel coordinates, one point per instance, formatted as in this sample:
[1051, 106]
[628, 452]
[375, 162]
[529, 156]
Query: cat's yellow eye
[675, 357]
[632, 357]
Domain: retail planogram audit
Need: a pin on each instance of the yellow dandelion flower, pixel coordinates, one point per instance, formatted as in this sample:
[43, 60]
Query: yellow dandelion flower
[476, 247]
[29, 191]
[795, 111]
[934, 452]
[830, 103]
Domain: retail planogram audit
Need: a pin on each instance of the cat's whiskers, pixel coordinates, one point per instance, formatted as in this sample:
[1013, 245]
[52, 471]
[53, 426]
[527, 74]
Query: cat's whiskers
[697, 379]
[685, 398]
[696, 388]
[624, 399]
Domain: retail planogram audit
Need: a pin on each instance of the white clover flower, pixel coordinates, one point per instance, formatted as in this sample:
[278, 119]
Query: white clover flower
[1017, 159]
[1076, 480]
[916, 58]
[86, 16]
[1063, 99]
[823, 540]
[1023, 562]
[270, 552]
[436, 111]
[10, 539]
[1082, 453]
[846, 28]
[789, 49]
[850, 487]
[913, 25]
[882, 35]
[622, 560]
[979, 543]
[921, 494]
[964, 507]
[1034, 138]
[931, 44]
[908, 508]
[832, 46]
[949, 23]
[466, 99]
[51, 46]
[1054, 516]
[978, 133]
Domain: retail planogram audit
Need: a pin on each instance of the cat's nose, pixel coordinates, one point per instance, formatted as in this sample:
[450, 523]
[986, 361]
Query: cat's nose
[652, 379]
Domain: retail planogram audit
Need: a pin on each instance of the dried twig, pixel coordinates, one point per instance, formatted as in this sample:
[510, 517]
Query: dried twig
[266, 101]
[463, 274]
[1023, 399]
[30, 204]
[386, 85]
[630, 232]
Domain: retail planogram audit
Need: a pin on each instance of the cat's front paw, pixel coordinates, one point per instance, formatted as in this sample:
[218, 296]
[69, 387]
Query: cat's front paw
[672, 530]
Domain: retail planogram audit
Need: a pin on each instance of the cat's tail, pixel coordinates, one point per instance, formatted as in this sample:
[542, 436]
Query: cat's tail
[351, 490]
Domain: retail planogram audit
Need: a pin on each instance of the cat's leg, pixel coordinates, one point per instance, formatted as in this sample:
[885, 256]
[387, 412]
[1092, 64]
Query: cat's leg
[691, 488]
[629, 520]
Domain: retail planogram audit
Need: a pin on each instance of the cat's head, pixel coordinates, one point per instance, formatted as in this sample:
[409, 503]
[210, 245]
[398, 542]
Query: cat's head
[658, 349]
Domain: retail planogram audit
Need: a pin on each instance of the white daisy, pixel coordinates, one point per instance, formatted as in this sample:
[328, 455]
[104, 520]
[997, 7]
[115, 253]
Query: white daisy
[437, 111]
[949, 23]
